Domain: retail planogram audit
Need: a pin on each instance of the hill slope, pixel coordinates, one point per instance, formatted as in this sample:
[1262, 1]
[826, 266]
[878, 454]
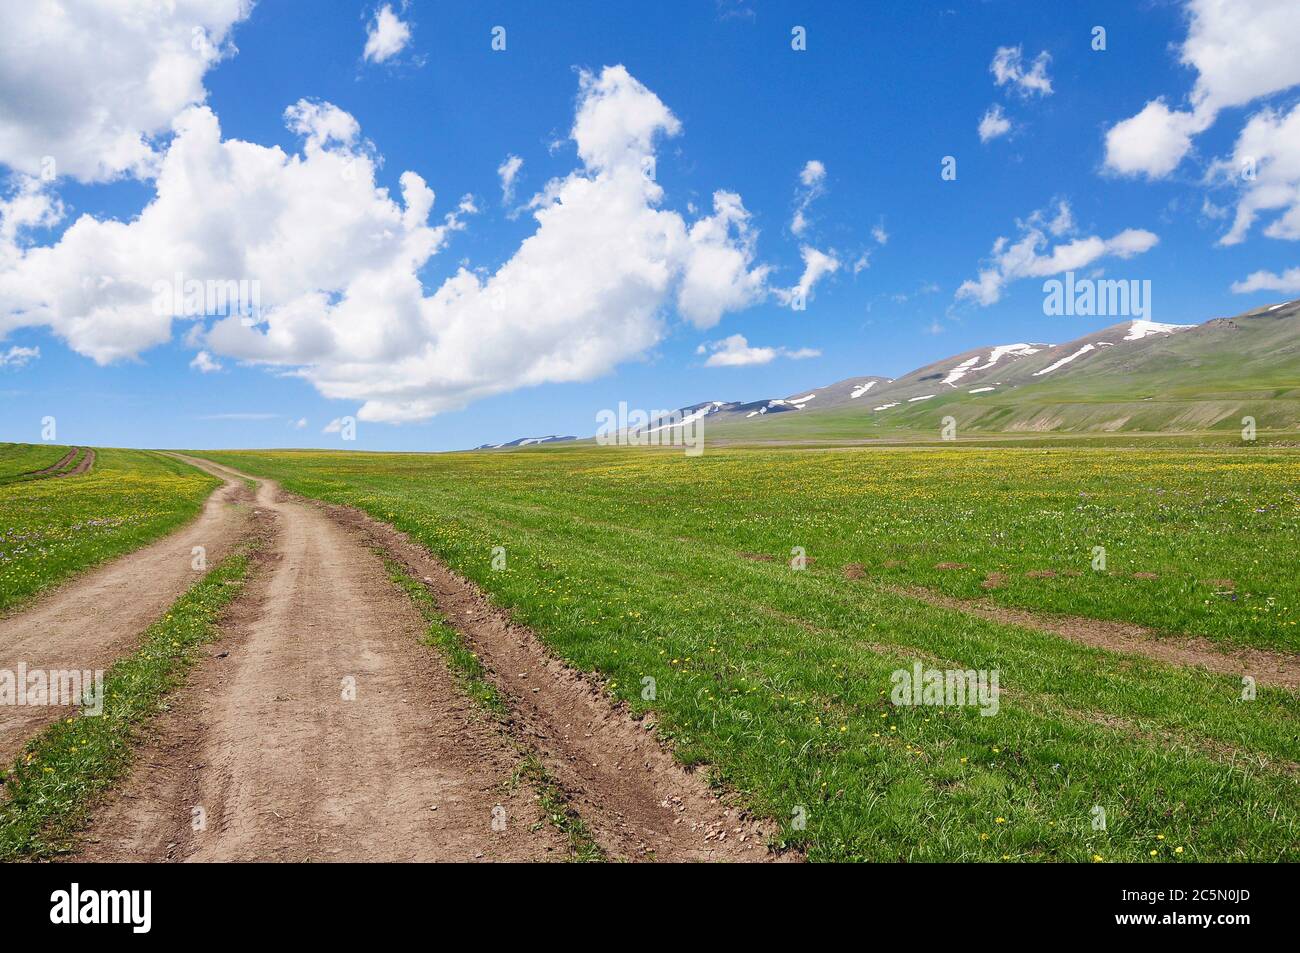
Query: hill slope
[1136, 376]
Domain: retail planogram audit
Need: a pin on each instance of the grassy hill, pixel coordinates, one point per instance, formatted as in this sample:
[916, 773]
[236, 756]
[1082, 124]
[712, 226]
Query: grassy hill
[1204, 379]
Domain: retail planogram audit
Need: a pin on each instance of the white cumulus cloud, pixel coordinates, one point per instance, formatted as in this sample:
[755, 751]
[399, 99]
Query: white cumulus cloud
[1242, 50]
[91, 85]
[812, 179]
[735, 351]
[994, 124]
[719, 273]
[30, 205]
[1032, 254]
[813, 173]
[321, 124]
[1265, 168]
[817, 265]
[18, 357]
[1287, 283]
[1153, 142]
[508, 171]
[322, 242]
[1008, 69]
[337, 260]
[386, 35]
[204, 363]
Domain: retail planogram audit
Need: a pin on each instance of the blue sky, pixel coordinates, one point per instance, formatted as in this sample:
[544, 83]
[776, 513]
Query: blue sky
[880, 96]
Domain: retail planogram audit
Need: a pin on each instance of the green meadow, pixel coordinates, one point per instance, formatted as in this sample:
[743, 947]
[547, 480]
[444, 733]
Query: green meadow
[54, 528]
[670, 578]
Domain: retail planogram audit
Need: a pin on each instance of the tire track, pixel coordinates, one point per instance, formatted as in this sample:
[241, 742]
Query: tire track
[54, 468]
[83, 465]
[1266, 667]
[98, 617]
[63, 468]
[322, 729]
[639, 803]
[284, 769]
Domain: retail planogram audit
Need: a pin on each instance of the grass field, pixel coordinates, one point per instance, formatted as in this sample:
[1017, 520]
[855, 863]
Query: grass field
[57, 777]
[17, 460]
[643, 565]
[51, 529]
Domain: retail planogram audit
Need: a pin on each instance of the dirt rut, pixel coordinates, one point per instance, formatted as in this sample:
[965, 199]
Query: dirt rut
[328, 731]
[284, 769]
[54, 468]
[83, 465]
[57, 469]
[638, 802]
[98, 617]
[1267, 668]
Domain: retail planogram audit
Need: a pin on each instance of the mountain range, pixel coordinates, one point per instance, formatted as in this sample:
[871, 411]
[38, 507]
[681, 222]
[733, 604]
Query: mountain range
[1136, 376]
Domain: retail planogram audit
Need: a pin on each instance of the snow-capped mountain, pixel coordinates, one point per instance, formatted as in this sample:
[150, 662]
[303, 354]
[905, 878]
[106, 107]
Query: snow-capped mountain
[524, 442]
[1132, 355]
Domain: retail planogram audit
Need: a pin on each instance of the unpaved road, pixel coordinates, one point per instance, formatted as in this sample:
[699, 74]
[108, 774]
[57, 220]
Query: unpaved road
[637, 801]
[99, 616]
[55, 467]
[83, 465]
[284, 764]
[1266, 667]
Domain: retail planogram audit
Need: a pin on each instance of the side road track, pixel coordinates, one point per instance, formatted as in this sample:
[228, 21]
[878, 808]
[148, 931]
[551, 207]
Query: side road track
[322, 728]
[99, 616]
[64, 467]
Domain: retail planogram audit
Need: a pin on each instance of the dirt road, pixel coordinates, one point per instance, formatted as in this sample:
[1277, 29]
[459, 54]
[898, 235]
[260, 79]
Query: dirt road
[83, 465]
[331, 732]
[1266, 667]
[98, 617]
[55, 467]
[638, 802]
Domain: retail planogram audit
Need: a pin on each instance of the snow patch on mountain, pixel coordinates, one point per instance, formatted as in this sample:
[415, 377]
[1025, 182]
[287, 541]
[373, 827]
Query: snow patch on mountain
[689, 418]
[960, 371]
[1141, 329]
[524, 442]
[1065, 360]
[1002, 350]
